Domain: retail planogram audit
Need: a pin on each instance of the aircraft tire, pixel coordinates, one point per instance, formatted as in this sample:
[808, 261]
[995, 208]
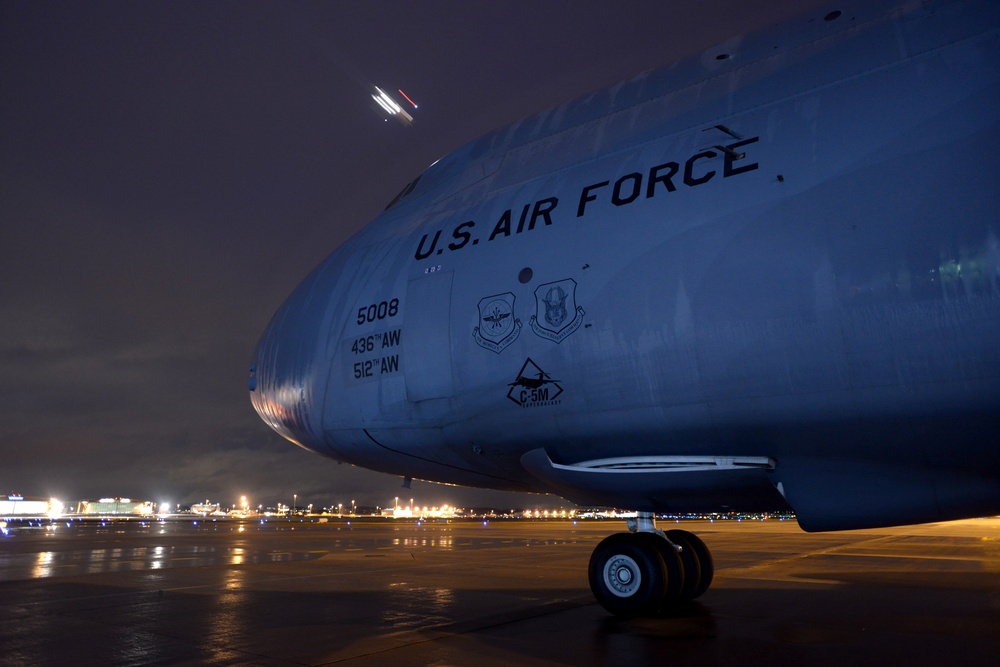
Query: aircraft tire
[627, 575]
[706, 567]
[675, 568]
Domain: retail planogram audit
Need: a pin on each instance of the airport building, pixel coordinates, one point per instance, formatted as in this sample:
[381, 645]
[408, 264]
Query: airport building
[15, 505]
[207, 509]
[414, 511]
[115, 507]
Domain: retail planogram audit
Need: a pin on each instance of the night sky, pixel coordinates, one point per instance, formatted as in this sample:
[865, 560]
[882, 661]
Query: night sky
[170, 171]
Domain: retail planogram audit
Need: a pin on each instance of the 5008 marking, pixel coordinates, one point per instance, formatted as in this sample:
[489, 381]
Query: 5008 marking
[378, 311]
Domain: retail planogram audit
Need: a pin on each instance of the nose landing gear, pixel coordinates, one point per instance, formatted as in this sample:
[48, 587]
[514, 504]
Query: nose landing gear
[646, 570]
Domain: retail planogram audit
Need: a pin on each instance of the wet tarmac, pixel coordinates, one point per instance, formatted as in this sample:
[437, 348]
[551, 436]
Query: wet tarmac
[501, 593]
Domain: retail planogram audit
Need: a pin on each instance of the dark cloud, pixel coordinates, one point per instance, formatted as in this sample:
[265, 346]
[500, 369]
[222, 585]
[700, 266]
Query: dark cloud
[169, 172]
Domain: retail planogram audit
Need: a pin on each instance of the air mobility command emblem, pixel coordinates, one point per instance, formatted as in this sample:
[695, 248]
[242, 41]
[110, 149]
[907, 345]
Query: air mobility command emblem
[498, 327]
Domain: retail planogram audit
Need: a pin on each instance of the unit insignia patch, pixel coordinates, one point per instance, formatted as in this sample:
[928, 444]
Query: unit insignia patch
[498, 327]
[556, 313]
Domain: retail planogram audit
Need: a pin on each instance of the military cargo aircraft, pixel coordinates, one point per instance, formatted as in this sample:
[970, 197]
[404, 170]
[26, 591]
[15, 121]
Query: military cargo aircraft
[766, 277]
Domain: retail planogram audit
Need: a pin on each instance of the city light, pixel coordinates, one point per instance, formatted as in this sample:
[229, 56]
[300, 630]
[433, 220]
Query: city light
[56, 508]
[247, 506]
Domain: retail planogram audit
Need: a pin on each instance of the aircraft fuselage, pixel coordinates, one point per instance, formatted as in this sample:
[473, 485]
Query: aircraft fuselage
[756, 281]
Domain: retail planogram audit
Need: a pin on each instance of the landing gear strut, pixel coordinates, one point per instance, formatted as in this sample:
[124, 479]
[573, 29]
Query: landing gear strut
[646, 570]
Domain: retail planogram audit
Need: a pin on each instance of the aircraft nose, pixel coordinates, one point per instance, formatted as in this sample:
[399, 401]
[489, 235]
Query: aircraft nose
[284, 375]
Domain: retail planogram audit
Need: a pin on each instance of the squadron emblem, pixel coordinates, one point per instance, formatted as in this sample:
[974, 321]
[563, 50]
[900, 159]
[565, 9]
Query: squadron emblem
[498, 327]
[556, 313]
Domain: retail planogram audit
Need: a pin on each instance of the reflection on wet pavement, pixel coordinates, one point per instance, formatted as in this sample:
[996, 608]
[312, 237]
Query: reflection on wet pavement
[400, 593]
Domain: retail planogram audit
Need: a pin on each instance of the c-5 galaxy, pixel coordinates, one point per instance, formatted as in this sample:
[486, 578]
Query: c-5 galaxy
[766, 277]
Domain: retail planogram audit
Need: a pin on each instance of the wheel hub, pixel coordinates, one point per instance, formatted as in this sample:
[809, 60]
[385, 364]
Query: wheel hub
[621, 574]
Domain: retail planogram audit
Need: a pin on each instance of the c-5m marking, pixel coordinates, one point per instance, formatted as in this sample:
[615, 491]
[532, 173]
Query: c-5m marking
[533, 383]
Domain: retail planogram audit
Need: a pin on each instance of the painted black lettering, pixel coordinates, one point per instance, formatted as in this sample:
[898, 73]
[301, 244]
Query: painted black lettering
[539, 212]
[655, 177]
[460, 233]
[616, 195]
[585, 196]
[389, 364]
[420, 254]
[502, 226]
[689, 178]
[524, 216]
[391, 338]
[731, 157]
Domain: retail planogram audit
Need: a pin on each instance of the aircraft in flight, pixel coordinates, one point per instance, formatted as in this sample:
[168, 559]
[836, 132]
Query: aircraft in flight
[766, 277]
[391, 107]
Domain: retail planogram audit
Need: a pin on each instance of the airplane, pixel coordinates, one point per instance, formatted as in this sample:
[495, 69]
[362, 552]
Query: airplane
[767, 276]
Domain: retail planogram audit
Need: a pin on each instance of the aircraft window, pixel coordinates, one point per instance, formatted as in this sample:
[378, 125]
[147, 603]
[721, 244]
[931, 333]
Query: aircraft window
[405, 191]
[524, 276]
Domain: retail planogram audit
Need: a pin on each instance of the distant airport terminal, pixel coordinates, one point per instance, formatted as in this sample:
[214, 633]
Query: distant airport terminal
[15, 506]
